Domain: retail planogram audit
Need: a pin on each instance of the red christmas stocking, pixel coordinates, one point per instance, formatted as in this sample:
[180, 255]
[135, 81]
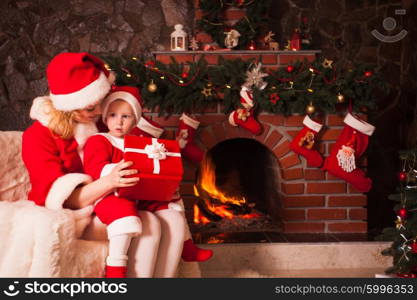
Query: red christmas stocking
[243, 117]
[147, 128]
[186, 135]
[351, 144]
[304, 141]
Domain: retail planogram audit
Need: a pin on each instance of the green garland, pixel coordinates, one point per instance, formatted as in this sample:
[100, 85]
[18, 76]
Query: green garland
[249, 26]
[195, 86]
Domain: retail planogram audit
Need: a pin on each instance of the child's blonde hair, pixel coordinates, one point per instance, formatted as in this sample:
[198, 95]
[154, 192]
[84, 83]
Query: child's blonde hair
[60, 123]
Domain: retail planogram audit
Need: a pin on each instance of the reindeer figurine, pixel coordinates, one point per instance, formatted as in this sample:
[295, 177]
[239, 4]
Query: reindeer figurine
[232, 38]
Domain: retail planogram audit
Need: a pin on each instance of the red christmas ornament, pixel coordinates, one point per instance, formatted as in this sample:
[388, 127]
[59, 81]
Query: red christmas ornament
[402, 175]
[402, 213]
[290, 69]
[184, 75]
[252, 45]
[414, 247]
[150, 64]
[274, 98]
[240, 2]
[368, 74]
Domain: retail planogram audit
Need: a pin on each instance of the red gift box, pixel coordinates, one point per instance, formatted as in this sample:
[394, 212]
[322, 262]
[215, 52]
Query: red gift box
[160, 168]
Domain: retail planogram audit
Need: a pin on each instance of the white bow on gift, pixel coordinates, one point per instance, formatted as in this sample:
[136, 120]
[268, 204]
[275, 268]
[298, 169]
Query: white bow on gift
[155, 151]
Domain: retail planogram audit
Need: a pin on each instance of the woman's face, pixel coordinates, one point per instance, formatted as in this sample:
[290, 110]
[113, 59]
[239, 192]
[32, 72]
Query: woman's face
[88, 114]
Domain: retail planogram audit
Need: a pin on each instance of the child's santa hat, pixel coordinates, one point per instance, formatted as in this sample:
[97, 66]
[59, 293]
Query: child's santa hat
[77, 80]
[129, 94]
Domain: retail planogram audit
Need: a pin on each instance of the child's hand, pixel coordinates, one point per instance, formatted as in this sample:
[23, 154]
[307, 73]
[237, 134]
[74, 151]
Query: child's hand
[117, 175]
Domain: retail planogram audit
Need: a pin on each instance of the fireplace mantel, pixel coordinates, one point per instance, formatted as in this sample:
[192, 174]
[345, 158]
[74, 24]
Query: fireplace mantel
[270, 59]
[227, 52]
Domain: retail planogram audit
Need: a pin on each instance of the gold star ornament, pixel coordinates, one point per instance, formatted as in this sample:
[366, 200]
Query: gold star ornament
[206, 92]
[327, 63]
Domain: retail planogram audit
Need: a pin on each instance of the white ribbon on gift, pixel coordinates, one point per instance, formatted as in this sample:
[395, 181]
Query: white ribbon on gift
[155, 151]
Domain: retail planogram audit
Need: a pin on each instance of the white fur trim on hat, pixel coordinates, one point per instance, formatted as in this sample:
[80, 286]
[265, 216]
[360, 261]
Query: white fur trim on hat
[244, 93]
[90, 94]
[359, 125]
[126, 96]
[189, 121]
[126, 225]
[62, 188]
[144, 125]
[312, 124]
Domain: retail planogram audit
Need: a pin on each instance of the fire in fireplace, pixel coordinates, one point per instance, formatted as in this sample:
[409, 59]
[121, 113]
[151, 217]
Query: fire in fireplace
[237, 186]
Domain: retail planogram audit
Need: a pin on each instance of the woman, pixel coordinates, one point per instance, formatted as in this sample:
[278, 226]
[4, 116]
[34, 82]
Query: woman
[52, 150]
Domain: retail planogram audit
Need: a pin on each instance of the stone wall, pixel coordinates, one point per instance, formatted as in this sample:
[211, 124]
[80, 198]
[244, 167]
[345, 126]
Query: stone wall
[33, 31]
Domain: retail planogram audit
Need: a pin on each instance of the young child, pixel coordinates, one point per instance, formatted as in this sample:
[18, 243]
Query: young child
[121, 112]
[102, 152]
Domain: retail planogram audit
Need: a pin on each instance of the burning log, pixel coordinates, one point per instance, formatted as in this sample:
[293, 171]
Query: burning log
[212, 216]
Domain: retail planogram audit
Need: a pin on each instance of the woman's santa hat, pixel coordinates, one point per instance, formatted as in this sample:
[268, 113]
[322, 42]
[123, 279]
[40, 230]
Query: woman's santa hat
[129, 94]
[77, 80]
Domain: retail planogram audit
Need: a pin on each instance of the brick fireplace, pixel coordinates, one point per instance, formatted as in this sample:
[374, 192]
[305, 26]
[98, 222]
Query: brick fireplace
[313, 201]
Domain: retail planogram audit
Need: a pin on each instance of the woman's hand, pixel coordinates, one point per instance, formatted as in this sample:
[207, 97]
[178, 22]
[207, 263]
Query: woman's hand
[116, 176]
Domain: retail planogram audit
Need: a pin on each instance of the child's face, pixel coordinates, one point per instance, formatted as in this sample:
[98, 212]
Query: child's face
[120, 118]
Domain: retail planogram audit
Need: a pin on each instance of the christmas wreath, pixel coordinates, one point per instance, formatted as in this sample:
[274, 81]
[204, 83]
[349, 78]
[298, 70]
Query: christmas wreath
[213, 23]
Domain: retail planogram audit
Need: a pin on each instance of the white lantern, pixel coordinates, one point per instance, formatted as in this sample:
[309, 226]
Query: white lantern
[178, 39]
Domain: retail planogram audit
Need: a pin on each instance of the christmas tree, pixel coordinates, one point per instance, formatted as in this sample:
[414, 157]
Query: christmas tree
[404, 235]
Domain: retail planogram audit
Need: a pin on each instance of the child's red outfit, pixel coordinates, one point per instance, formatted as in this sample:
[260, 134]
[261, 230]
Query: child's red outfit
[102, 152]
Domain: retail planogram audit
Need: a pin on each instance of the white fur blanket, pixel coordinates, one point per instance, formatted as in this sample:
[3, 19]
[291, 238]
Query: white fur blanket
[38, 242]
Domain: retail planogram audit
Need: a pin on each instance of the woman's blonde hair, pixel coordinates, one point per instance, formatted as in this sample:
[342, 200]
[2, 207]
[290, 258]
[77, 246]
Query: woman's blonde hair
[60, 123]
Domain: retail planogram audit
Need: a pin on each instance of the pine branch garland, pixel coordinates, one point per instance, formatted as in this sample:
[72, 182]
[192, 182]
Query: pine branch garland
[292, 91]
